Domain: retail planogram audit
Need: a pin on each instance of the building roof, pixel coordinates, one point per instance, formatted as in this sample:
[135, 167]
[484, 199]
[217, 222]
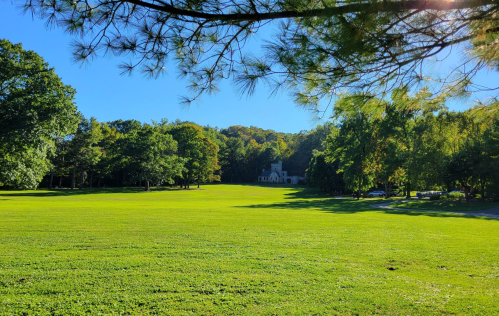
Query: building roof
[265, 173]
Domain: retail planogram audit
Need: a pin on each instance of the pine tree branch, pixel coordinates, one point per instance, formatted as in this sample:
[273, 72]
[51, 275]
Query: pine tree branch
[373, 7]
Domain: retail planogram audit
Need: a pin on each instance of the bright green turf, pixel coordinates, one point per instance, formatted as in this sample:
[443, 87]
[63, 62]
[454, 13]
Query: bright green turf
[451, 206]
[239, 249]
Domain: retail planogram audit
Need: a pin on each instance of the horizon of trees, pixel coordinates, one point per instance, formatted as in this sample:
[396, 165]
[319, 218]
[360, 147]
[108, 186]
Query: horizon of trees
[130, 153]
[44, 137]
[413, 142]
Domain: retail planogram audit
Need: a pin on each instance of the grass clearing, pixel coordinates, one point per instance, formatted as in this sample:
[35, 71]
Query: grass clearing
[447, 205]
[239, 249]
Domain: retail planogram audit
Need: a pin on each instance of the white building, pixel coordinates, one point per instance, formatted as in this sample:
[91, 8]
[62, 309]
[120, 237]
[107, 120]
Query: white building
[277, 175]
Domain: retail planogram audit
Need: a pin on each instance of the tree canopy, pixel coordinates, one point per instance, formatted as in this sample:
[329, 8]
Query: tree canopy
[35, 106]
[319, 48]
[414, 143]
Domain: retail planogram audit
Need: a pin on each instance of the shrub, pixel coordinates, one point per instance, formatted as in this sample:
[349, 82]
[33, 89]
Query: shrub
[435, 197]
[455, 196]
[478, 196]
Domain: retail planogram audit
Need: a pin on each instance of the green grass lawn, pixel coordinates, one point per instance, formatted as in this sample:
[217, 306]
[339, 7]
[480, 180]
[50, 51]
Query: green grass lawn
[451, 206]
[239, 249]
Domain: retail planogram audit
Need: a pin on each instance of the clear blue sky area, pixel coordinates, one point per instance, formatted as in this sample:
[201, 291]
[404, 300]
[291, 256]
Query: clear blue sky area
[103, 93]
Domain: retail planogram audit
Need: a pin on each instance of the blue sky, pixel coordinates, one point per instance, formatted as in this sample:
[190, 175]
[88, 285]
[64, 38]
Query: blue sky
[103, 93]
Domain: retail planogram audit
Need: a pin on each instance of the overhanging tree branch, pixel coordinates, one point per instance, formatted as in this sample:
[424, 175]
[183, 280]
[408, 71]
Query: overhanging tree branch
[322, 47]
[364, 6]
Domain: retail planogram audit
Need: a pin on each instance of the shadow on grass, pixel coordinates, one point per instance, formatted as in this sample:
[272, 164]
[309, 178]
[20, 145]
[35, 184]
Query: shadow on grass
[75, 192]
[454, 206]
[349, 206]
[264, 185]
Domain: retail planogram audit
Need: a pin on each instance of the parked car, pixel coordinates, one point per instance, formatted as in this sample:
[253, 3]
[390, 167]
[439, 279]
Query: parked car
[442, 193]
[376, 193]
[393, 193]
[428, 193]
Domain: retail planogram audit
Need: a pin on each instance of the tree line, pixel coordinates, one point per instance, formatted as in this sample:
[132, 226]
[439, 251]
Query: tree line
[45, 139]
[412, 142]
[130, 153]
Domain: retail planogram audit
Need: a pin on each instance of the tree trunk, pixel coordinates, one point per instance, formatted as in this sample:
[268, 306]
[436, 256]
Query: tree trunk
[81, 177]
[73, 178]
[408, 186]
[51, 179]
[91, 178]
[198, 183]
[468, 191]
[60, 182]
[147, 185]
[358, 192]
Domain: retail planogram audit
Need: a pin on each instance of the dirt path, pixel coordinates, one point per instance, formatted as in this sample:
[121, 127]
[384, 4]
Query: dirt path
[491, 213]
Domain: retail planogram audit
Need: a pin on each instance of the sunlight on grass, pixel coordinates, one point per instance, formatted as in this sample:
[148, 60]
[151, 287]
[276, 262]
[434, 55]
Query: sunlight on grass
[239, 249]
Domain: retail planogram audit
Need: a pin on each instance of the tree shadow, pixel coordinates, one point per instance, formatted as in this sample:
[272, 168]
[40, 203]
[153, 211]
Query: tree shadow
[350, 206]
[297, 191]
[270, 185]
[76, 192]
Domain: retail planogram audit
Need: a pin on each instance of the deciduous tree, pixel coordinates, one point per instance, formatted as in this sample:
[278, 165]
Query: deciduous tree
[35, 109]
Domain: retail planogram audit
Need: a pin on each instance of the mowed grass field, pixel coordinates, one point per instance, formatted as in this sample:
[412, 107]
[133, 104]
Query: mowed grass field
[239, 249]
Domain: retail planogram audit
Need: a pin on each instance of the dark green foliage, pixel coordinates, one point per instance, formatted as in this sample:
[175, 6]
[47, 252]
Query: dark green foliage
[233, 160]
[247, 151]
[100, 153]
[353, 144]
[325, 175]
[150, 155]
[415, 143]
[35, 109]
[199, 152]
